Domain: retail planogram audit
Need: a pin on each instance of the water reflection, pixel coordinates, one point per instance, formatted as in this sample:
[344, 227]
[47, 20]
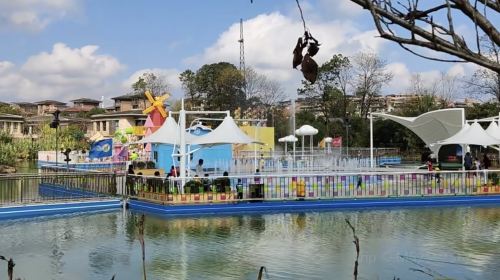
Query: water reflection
[461, 243]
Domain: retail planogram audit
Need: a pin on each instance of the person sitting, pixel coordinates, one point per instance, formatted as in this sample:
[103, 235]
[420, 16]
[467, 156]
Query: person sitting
[223, 184]
[206, 183]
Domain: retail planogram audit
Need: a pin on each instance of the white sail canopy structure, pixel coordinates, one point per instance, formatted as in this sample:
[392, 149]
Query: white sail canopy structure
[226, 133]
[471, 135]
[433, 126]
[168, 133]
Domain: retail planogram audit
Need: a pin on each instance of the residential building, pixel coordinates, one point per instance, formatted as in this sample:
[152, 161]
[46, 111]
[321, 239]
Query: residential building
[81, 105]
[127, 117]
[12, 124]
[48, 107]
[129, 102]
[27, 108]
[131, 122]
[466, 103]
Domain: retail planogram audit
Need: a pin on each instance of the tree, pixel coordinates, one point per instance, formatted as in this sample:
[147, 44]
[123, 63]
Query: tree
[327, 95]
[8, 109]
[483, 110]
[156, 84]
[485, 82]
[431, 25]
[188, 80]
[93, 111]
[370, 75]
[258, 86]
[216, 86]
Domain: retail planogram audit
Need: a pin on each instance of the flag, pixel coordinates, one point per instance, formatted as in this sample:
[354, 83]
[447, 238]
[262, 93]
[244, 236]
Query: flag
[102, 148]
[337, 142]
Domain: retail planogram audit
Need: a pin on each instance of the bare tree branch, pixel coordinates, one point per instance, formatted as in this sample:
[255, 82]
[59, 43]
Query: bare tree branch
[427, 33]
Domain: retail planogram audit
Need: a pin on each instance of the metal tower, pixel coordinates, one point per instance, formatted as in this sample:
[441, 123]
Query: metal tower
[242, 48]
[242, 58]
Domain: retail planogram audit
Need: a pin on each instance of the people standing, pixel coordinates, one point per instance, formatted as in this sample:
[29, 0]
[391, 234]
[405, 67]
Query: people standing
[468, 161]
[199, 167]
[239, 189]
[486, 161]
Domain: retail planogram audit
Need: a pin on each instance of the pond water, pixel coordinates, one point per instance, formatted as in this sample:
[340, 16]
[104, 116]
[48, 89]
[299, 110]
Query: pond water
[413, 243]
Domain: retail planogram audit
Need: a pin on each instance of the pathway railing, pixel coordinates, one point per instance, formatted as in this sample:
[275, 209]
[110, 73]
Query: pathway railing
[33, 188]
[313, 186]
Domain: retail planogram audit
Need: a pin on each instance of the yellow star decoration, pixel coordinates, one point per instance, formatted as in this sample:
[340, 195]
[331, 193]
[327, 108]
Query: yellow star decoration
[156, 103]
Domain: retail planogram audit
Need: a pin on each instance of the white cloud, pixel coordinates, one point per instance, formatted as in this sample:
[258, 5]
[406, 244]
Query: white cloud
[341, 8]
[62, 74]
[270, 39]
[35, 15]
[401, 78]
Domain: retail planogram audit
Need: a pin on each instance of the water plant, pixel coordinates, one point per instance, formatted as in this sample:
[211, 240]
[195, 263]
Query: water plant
[356, 244]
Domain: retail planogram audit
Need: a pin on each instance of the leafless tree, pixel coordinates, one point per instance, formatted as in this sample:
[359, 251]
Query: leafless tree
[431, 25]
[419, 87]
[157, 84]
[370, 75]
[447, 87]
[485, 82]
[258, 86]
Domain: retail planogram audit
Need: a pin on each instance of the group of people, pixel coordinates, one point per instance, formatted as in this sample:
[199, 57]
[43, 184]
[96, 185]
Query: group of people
[471, 163]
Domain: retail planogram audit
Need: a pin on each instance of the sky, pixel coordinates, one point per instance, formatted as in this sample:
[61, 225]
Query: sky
[67, 49]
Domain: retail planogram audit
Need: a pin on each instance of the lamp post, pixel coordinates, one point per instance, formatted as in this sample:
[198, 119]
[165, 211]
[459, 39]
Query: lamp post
[55, 124]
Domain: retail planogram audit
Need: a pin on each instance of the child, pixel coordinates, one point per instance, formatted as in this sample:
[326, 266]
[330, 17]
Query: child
[239, 189]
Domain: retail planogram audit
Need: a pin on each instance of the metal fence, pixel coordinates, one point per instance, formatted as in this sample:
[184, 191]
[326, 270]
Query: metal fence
[62, 186]
[313, 186]
[25, 189]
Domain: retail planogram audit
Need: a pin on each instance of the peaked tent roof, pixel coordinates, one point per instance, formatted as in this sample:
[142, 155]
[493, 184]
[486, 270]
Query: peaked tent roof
[471, 135]
[493, 130]
[168, 133]
[226, 133]
[433, 126]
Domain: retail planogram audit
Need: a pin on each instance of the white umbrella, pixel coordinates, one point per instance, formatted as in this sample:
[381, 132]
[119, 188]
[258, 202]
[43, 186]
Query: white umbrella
[286, 139]
[306, 130]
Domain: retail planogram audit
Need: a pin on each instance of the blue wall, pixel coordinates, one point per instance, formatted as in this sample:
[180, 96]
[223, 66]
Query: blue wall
[213, 157]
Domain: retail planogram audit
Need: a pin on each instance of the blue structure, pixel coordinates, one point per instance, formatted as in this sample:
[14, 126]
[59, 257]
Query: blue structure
[215, 157]
[310, 205]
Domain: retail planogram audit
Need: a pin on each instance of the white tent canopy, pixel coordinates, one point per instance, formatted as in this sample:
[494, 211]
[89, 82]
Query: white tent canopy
[471, 135]
[432, 126]
[226, 133]
[493, 130]
[168, 133]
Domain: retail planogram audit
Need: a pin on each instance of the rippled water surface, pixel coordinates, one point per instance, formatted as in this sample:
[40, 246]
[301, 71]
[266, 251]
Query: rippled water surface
[460, 243]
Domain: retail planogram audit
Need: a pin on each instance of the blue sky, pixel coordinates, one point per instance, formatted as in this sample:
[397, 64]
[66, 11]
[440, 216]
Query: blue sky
[64, 49]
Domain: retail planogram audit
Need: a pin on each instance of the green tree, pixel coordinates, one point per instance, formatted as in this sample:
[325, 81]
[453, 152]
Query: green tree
[8, 109]
[93, 111]
[328, 93]
[216, 86]
[483, 110]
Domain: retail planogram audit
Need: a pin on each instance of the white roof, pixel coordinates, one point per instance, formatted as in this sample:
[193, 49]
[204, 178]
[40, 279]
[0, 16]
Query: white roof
[226, 133]
[471, 135]
[493, 130]
[289, 138]
[168, 133]
[433, 126]
[306, 130]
